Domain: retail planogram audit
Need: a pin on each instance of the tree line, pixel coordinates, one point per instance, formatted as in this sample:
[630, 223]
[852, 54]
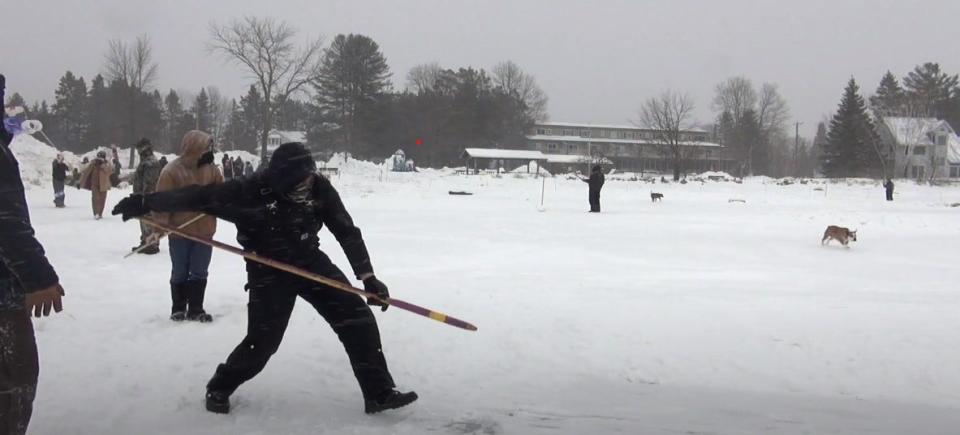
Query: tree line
[340, 94]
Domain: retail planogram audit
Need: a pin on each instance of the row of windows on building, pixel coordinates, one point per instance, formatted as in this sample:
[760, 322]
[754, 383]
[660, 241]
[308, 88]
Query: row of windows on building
[606, 149]
[920, 171]
[610, 134]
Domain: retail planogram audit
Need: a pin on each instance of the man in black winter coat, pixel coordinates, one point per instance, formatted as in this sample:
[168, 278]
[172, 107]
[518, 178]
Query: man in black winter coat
[27, 283]
[59, 179]
[596, 183]
[278, 213]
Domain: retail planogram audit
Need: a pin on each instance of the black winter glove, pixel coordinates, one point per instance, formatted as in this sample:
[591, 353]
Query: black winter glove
[377, 287]
[131, 207]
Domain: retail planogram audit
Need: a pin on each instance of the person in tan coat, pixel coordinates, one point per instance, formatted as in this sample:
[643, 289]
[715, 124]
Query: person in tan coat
[190, 260]
[96, 178]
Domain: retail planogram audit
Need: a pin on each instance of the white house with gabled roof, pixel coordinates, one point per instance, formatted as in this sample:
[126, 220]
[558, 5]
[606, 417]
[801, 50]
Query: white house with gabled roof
[922, 148]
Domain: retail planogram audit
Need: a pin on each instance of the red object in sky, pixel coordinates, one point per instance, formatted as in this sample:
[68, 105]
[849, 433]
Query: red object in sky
[418, 142]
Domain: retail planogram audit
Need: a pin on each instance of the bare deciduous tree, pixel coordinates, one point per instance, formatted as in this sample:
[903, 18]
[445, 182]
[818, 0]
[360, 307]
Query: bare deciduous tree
[219, 112]
[424, 77]
[264, 46]
[133, 65]
[669, 116]
[734, 95]
[509, 77]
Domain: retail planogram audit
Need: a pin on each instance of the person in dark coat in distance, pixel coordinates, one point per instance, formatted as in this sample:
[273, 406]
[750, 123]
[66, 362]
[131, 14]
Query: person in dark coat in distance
[145, 182]
[59, 179]
[596, 183]
[247, 169]
[163, 162]
[888, 186]
[115, 175]
[238, 167]
[28, 284]
[278, 213]
[227, 167]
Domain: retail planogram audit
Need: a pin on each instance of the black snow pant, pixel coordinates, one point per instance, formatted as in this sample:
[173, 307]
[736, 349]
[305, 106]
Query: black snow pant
[19, 369]
[58, 193]
[889, 195]
[272, 296]
[595, 201]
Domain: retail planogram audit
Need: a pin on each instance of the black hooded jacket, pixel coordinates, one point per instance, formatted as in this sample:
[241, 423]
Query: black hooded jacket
[22, 260]
[270, 224]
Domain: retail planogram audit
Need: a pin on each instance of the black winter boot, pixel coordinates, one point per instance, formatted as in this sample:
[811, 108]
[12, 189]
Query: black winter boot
[218, 402]
[389, 399]
[178, 310]
[195, 292]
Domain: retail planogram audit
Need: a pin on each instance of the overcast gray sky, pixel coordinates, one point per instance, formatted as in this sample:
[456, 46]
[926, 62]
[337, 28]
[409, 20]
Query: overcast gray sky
[597, 60]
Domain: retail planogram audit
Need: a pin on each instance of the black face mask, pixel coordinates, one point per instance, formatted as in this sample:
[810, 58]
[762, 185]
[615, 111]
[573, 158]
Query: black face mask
[205, 159]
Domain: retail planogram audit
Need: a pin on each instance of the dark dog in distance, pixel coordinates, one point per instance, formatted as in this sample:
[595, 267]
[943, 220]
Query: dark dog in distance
[654, 197]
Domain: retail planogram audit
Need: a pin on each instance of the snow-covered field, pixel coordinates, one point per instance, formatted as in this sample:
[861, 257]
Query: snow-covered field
[691, 316]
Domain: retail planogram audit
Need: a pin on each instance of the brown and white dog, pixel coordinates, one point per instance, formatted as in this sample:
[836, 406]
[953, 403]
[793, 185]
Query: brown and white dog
[840, 234]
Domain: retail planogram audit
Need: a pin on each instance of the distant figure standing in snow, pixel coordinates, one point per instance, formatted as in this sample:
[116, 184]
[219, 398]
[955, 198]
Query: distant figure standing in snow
[163, 162]
[28, 284]
[889, 188]
[226, 164]
[596, 183]
[59, 179]
[190, 260]
[247, 169]
[237, 167]
[115, 176]
[96, 178]
[144, 182]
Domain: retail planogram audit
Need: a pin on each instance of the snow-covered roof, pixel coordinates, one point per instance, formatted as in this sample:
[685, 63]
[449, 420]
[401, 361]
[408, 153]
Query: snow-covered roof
[574, 158]
[490, 153]
[289, 135]
[915, 131]
[607, 126]
[543, 137]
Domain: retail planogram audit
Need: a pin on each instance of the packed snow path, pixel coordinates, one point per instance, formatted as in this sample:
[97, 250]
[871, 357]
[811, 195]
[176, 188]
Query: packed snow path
[694, 315]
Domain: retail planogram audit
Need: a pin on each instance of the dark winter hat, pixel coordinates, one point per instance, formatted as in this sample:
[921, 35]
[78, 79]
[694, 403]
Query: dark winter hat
[143, 144]
[289, 165]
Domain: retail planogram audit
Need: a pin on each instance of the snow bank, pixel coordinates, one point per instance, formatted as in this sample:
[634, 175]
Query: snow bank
[36, 159]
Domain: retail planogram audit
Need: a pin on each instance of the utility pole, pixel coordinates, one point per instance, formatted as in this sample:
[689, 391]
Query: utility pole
[796, 148]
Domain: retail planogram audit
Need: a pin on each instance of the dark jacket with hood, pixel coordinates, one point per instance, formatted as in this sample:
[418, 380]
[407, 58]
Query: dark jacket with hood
[23, 264]
[272, 224]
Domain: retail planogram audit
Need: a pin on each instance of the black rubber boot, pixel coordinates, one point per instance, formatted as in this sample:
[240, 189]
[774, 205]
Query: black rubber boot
[195, 292]
[389, 399]
[178, 310]
[218, 402]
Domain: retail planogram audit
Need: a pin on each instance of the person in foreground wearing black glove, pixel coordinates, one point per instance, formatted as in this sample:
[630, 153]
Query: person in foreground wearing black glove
[278, 213]
[28, 284]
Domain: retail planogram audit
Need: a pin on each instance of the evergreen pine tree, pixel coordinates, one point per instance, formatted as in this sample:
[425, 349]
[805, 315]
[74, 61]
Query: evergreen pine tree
[929, 90]
[849, 148]
[70, 109]
[16, 100]
[889, 99]
[201, 111]
[353, 76]
[97, 115]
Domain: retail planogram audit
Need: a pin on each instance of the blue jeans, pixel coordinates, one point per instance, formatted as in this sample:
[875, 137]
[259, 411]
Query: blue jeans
[190, 260]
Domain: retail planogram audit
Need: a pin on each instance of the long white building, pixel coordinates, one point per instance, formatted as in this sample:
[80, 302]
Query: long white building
[630, 148]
